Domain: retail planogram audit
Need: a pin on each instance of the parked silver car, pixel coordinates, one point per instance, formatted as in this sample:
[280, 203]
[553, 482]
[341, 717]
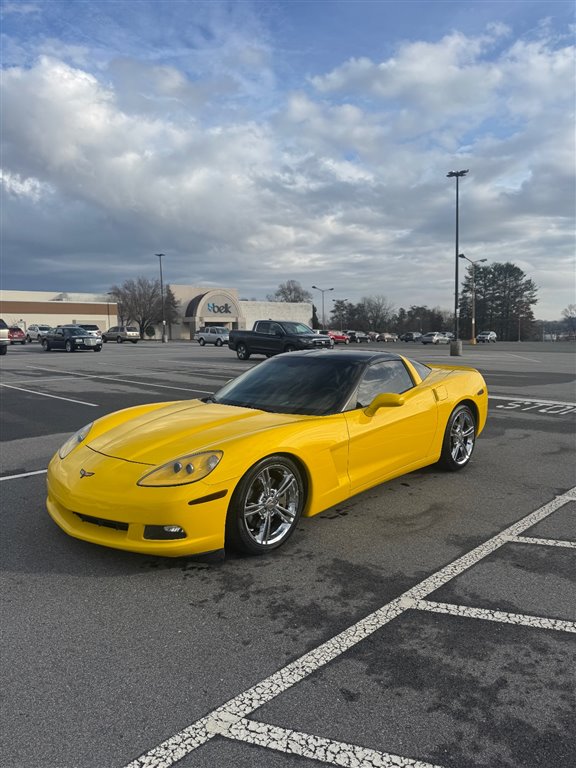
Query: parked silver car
[36, 332]
[486, 336]
[212, 334]
[120, 333]
[435, 337]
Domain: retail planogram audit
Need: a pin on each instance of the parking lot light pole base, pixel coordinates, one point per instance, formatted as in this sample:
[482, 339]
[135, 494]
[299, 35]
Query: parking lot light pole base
[456, 348]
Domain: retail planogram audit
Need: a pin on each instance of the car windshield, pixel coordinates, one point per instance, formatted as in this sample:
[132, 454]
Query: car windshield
[76, 332]
[311, 386]
[44, 327]
[297, 328]
[220, 330]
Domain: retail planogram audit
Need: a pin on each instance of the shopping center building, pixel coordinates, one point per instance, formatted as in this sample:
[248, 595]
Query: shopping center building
[198, 306]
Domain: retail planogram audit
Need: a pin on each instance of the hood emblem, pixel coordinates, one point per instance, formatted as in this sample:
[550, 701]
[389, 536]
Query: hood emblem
[83, 473]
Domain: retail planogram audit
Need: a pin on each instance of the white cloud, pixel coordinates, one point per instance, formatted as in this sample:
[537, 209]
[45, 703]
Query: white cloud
[205, 157]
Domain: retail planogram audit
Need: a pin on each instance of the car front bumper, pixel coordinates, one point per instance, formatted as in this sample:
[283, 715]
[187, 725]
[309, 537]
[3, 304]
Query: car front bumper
[109, 508]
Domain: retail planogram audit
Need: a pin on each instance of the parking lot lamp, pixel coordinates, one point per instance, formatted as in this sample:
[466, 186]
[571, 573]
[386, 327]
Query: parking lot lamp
[323, 291]
[477, 261]
[164, 339]
[456, 345]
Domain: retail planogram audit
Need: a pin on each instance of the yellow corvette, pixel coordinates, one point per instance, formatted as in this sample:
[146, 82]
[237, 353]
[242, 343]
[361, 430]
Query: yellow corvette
[292, 436]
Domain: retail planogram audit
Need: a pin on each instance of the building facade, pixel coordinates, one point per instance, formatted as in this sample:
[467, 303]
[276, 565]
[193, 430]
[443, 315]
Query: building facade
[199, 306]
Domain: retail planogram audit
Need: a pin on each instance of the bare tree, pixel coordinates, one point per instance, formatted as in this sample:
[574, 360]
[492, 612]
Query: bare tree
[291, 292]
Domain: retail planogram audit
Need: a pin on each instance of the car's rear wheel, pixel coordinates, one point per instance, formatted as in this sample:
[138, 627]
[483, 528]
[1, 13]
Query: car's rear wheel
[45, 345]
[201, 342]
[242, 352]
[218, 342]
[3, 349]
[266, 506]
[134, 341]
[69, 347]
[459, 439]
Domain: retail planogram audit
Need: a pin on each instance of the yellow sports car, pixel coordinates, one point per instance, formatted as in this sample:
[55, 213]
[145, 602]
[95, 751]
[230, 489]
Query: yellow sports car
[292, 436]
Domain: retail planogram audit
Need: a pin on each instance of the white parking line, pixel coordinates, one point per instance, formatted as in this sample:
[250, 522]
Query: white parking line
[122, 381]
[24, 474]
[536, 401]
[223, 719]
[44, 394]
[316, 747]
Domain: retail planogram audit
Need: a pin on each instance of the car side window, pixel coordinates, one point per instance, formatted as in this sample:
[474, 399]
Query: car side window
[264, 327]
[388, 376]
[114, 329]
[275, 329]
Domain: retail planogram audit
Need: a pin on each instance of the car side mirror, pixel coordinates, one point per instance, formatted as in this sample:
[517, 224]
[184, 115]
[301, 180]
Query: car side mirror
[384, 400]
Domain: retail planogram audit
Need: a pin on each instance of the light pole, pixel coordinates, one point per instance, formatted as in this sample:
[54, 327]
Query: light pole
[108, 294]
[164, 339]
[477, 261]
[323, 291]
[456, 345]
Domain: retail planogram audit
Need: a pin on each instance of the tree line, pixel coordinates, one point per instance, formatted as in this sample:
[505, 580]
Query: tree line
[504, 301]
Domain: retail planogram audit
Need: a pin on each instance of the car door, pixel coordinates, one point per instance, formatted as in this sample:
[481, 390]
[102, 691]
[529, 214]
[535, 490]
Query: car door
[57, 341]
[393, 438]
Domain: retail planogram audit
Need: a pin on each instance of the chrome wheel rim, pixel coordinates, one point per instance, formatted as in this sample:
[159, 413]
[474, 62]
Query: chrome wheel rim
[462, 436]
[271, 504]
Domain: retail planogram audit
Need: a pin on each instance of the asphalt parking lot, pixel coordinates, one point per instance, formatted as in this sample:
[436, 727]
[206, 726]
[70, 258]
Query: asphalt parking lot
[428, 622]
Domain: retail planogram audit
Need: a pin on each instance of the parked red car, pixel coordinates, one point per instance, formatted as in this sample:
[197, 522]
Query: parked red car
[339, 337]
[16, 335]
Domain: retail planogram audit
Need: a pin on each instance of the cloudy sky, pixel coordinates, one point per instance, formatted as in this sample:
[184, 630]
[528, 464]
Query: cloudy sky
[256, 142]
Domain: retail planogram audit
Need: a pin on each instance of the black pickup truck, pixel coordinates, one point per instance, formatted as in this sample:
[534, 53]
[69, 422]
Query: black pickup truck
[270, 337]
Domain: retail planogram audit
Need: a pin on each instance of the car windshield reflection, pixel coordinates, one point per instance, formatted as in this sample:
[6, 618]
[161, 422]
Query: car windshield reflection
[311, 386]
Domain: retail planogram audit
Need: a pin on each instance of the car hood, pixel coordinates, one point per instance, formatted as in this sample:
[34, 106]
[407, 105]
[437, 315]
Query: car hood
[179, 429]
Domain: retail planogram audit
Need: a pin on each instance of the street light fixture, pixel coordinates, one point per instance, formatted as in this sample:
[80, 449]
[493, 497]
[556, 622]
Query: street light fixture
[323, 291]
[164, 339]
[456, 346]
[477, 261]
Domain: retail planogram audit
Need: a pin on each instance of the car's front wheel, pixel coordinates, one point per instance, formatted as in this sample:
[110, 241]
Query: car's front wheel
[45, 345]
[201, 342]
[3, 349]
[459, 439]
[98, 348]
[290, 348]
[119, 339]
[218, 342]
[266, 506]
[242, 352]
[69, 347]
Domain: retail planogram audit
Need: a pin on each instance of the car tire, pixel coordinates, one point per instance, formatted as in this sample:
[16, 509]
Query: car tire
[459, 439]
[218, 342]
[119, 339]
[45, 345]
[98, 349]
[134, 341]
[242, 351]
[265, 506]
[289, 348]
[69, 347]
[201, 342]
[28, 339]
[3, 349]
[346, 341]
[104, 339]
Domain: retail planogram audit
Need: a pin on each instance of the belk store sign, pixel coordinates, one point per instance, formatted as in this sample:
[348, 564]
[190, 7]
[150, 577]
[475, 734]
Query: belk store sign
[223, 309]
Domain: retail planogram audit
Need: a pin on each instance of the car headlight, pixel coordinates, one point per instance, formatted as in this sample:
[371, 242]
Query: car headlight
[182, 471]
[73, 441]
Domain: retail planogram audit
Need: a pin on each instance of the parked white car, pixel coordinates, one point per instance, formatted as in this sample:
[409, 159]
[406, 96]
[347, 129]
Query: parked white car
[486, 336]
[36, 332]
[434, 337]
